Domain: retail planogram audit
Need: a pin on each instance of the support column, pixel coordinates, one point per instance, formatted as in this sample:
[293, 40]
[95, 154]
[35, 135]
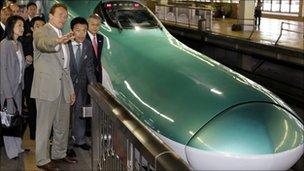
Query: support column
[301, 11]
[246, 11]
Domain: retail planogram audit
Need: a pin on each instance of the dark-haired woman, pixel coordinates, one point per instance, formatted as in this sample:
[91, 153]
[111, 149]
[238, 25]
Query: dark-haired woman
[12, 65]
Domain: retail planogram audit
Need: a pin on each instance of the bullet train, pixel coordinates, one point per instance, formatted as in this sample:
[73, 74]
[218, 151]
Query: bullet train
[210, 115]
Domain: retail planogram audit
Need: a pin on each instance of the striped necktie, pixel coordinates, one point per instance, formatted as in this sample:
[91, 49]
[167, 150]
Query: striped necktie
[78, 55]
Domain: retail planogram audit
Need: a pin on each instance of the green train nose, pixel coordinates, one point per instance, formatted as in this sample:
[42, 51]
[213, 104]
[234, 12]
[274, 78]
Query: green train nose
[255, 134]
[252, 128]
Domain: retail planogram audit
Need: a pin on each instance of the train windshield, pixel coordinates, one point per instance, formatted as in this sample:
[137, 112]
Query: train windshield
[128, 15]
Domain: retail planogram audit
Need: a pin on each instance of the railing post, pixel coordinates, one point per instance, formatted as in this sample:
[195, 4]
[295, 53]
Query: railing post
[210, 23]
[176, 14]
[281, 31]
[253, 29]
[96, 165]
[126, 144]
[189, 14]
[165, 13]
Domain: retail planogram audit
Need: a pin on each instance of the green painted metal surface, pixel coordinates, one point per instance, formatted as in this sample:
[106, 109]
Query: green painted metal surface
[252, 128]
[176, 91]
[170, 87]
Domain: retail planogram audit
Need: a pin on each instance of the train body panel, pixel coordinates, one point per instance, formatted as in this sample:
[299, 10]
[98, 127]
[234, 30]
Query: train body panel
[202, 87]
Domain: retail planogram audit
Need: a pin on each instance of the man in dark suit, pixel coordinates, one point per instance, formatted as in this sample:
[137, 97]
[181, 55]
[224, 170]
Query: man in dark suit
[31, 9]
[82, 74]
[5, 14]
[96, 41]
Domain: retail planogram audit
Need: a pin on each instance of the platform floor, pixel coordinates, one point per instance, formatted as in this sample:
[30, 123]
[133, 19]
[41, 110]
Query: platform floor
[268, 32]
[26, 160]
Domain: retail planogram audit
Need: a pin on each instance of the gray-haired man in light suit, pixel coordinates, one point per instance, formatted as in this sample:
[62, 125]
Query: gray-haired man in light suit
[53, 89]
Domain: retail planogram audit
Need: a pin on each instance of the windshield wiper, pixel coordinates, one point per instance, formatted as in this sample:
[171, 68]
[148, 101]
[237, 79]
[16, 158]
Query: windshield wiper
[117, 21]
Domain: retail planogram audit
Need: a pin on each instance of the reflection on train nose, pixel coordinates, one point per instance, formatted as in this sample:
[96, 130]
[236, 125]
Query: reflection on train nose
[248, 137]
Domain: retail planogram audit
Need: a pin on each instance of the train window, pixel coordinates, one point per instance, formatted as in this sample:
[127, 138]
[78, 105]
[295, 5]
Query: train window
[127, 15]
[132, 18]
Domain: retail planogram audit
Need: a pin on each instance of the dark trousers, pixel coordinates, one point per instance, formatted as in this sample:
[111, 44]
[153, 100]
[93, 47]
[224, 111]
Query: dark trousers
[257, 21]
[31, 115]
[28, 103]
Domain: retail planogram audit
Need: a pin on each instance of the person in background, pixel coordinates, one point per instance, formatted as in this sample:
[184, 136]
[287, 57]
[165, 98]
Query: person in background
[31, 13]
[14, 8]
[53, 89]
[1, 4]
[12, 68]
[258, 13]
[29, 104]
[8, 2]
[40, 8]
[5, 14]
[82, 74]
[96, 41]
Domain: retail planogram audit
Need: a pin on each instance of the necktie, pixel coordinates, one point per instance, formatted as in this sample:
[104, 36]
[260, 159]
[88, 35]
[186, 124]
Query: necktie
[78, 56]
[95, 46]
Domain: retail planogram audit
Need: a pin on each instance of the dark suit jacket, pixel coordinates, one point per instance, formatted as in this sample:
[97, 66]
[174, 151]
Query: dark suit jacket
[27, 45]
[83, 75]
[97, 59]
[27, 27]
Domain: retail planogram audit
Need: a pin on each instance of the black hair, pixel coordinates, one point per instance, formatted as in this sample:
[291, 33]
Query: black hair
[37, 18]
[78, 20]
[10, 24]
[13, 1]
[30, 4]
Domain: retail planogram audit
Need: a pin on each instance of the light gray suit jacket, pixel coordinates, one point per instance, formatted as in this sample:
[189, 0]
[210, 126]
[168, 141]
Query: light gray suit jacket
[10, 69]
[49, 73]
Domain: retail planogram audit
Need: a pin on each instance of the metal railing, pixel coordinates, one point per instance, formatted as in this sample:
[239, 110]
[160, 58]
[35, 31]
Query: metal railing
[121, 142]
[246, 24]
[289, 30]
[188, 16]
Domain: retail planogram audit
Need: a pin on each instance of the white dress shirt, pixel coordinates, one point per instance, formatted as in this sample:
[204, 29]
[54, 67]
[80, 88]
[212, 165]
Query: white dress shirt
[92, 37]
[20, 59]
[2, 25]
[29, 17]
[75, 47]
[63, 46]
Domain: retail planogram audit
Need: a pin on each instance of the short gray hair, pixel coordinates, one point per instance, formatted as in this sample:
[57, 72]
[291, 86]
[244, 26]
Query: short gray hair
[94, 16]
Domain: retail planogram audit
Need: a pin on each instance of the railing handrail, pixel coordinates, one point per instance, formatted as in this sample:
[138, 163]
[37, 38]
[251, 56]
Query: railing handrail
[288, 23]
[165, 157]
[294, 31]
[197, 8]
[245, 19]
[282, 29]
